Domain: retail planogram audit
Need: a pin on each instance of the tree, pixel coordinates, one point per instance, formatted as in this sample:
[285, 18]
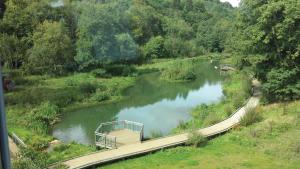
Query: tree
[52, 50]
[155, 48]
[271, 28]
[97, 29]
[128, 49]
[144, 22]
[12, 50]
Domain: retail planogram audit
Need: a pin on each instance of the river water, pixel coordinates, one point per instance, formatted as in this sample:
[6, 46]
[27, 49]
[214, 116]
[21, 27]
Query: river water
[158, 104]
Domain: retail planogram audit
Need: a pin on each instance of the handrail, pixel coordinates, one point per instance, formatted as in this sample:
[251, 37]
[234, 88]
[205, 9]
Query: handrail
[17, 140]
[103, 139]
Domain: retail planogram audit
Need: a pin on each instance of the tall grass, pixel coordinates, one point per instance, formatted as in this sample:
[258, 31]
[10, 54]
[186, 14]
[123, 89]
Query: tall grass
[196, 139]
[252, 116]
[180, 71]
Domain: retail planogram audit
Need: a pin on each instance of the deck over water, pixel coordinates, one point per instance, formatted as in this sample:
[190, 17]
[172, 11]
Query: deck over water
[125, 137]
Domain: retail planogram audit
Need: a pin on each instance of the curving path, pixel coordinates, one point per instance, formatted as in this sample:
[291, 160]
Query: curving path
[153, 145]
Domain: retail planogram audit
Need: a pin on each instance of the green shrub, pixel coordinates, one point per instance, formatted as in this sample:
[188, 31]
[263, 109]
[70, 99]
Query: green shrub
[101, 73]
[228, 110]
[42, 117]
[156, 134]
[61, 147]
[179, 71]
[252, 116]
[30, 159]
[211, 119]
[87, 88]
[182, 125]
[154, 48]
[196, 139]
[101, 96]
[39, 143]
[238, 101]
[71, 82]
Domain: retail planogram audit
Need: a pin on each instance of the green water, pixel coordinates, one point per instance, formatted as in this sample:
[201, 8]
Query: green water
[158, 104]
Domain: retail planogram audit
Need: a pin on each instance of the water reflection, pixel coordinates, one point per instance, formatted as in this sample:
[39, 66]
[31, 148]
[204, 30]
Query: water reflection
[157, 104]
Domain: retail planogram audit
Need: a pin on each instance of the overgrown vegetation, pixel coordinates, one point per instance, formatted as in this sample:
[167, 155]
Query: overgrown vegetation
[251, 117]
[180, 71]
[196, 139]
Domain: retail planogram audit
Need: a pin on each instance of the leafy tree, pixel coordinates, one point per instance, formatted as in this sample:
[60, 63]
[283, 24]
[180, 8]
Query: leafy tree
[97, 29]
[144, 21]
[128, 49]
[271, 28]
[155, 48]
[52, 51]
[12, 50]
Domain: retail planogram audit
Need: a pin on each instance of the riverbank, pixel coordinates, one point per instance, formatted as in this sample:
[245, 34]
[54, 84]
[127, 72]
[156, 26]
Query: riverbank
[271, 143]
[69, 93]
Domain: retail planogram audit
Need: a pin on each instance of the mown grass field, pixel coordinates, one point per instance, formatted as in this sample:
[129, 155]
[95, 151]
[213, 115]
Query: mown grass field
[270, 144]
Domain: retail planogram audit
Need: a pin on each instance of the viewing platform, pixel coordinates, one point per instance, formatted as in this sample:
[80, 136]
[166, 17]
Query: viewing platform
[114, 134]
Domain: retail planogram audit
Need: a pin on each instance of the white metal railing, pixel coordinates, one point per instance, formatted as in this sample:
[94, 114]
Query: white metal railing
[103, 139]
[17, 140]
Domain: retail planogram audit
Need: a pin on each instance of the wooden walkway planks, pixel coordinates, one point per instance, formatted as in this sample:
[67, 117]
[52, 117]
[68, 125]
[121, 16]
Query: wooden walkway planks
[152, 145]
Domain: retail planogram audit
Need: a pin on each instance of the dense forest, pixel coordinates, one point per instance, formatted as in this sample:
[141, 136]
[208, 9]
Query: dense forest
[65, 53]
[77, 34]
[58, 37]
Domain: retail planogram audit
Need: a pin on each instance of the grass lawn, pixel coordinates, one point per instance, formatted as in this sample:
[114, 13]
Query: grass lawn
[270, 144]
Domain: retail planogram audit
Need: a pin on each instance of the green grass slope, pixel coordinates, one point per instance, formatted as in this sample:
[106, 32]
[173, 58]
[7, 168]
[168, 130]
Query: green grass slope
[272, 143]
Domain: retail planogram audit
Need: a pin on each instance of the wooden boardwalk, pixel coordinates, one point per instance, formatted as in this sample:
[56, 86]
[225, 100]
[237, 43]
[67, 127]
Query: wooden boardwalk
[126, 136]
[153, 145]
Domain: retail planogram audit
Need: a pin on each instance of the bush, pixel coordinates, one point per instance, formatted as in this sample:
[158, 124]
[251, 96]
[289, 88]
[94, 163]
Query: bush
[39, 143]
[87, 88]
[238, 101]
[154, 48]
[120, 70]
[252, 116]
[156, 134]
[70, 82]
[196, 139]
[42, 117]
[101, 96]
[101, 73]
[211, 119]
[30, 159]
[180, 72]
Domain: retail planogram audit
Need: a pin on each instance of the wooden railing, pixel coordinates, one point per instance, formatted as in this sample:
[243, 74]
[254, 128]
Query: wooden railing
[103, 139]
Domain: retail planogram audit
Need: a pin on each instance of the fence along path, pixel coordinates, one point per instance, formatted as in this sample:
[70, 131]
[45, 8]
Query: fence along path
[153, 145]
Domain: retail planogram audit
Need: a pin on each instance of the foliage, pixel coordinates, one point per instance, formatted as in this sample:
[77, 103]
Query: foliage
[120, 70]
[52, 49]
[154, 48]
[87, 88]
[28, 158]
[101, 73]
[179, 71]
[271, 28]
[156, 134]
[42, 117]
[252, 116]
[196, 139]
[100, 96]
